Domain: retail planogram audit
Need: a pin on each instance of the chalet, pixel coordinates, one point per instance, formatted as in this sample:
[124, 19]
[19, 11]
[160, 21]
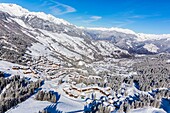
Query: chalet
[24, 68]
[91, 88]
[35, 72]
[35, 76]
[27, 72]
[68, 92]
[15, 67]
[95, 77]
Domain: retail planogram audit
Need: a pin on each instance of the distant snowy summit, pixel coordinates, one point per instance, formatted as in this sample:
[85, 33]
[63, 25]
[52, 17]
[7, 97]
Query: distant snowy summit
[141, 36]
[16, 10]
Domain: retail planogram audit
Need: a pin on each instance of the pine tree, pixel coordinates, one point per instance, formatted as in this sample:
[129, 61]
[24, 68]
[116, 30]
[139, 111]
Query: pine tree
[121, 109]
[127, 109]
[54, 99]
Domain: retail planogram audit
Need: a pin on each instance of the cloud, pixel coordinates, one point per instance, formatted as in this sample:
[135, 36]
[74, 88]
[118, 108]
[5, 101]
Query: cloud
[58, 8]
[137, 16]
[92, 19]
[142, 16]
[131, 14]
[96, 17]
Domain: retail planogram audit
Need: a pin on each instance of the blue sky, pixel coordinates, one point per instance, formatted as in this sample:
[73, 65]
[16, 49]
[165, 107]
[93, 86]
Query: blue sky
[146, 16]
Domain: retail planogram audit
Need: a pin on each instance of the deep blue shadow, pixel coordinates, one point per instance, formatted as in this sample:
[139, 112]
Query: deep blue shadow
[136, 84]
[53, 107]
[165, 105]
[7, 75]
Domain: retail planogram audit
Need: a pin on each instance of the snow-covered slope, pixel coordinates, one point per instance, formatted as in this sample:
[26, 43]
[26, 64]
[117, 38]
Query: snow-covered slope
[58, 52]
[131, 41]
[13, 9]
[127, 31]
[145, 37]
[140, 36]
[151, 48]
[148, 110]
[124, 39]
[51, 37]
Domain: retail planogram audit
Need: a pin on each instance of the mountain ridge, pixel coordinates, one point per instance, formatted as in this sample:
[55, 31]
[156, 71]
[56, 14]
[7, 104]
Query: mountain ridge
[8, 7]
[16, 10]
[53, 37]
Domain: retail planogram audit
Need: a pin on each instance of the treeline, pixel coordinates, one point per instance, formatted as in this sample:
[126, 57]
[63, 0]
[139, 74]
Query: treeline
[153, 73]
[15, 90]
[153, 76]
[46, 96]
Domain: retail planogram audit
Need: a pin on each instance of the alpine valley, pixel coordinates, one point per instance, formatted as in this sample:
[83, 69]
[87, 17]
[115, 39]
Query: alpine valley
[48, 65]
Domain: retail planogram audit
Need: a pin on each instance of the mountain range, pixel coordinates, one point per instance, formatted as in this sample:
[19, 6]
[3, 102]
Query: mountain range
[26, 34]
[50, 65]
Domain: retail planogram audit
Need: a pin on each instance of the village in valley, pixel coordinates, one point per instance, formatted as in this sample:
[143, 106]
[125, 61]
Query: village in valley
[103, 91]
[48, 65]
